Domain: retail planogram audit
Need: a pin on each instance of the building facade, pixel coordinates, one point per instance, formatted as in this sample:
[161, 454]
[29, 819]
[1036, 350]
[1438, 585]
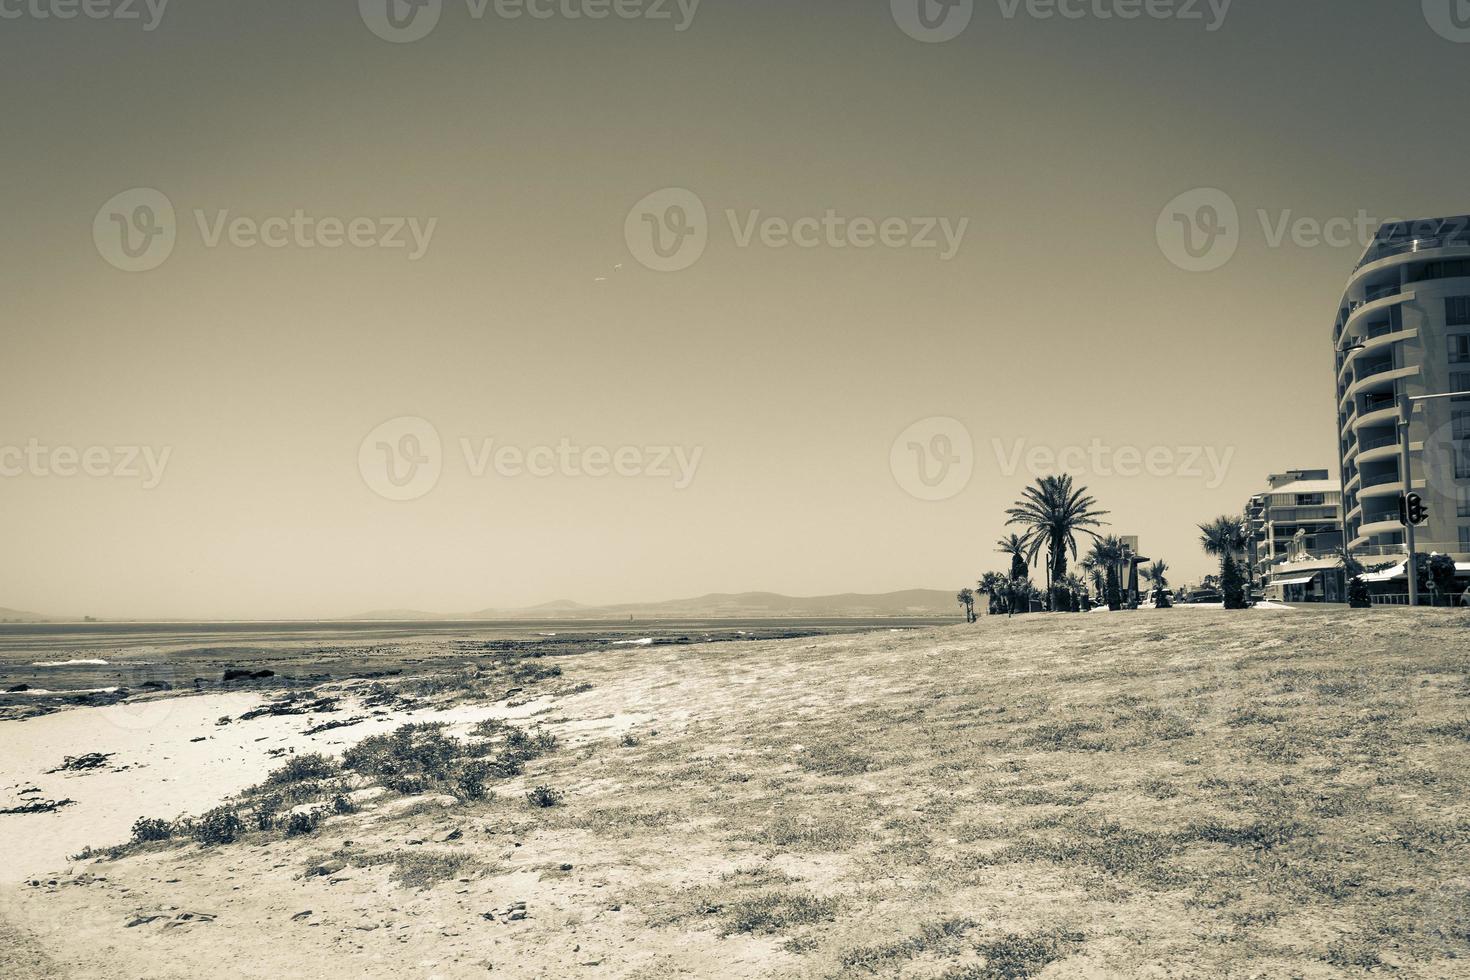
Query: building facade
[1403, 330]
[1295, 532]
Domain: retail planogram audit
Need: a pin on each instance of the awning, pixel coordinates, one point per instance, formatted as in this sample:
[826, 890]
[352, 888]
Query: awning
[1294, 581]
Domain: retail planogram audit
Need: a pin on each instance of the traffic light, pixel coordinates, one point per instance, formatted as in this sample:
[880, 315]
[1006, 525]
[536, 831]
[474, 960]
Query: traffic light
[1415, 510]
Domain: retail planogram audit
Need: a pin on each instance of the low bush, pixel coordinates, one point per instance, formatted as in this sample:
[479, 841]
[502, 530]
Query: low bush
[146, 829]
[302, 768]
[222, 825]
[304, 822]
[543, 796]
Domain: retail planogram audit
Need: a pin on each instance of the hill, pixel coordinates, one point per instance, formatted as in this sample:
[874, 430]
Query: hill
[911, 603]
[19, 616]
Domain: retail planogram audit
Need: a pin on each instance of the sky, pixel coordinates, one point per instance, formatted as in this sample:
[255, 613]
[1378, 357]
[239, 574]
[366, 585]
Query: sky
[310, 311]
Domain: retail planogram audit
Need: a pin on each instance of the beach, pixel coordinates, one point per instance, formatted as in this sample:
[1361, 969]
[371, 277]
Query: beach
[1146, 794]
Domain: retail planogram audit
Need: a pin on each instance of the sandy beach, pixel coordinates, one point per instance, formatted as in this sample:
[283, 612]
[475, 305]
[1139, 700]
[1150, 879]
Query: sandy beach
[1127, 796]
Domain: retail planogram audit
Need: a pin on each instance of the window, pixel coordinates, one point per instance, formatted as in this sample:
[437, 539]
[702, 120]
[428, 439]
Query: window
[1310, 500]
[1460, 348]
[1462, 461]
[1460, 422]
[1465, 539]
[1460, 381]
[1462, 503]
[1457, 311]
[1444, 269]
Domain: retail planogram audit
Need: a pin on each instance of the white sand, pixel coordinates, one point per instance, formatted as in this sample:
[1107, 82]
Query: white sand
[157, 770]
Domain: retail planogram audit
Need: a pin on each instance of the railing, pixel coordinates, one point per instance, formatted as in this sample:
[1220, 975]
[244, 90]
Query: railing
[1381, 480]
[1297, 515]
[1388, 250]
[1378, 404]
[1365, 373]
[1380, 551]
[1396, 599]
[1382, 330]
[1381, 292]
[1382, 442]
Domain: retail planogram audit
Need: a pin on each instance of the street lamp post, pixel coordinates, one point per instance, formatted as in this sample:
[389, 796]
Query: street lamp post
[1406, 415]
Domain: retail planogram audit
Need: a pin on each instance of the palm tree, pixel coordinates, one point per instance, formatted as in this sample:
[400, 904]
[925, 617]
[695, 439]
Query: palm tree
[993, 586]
[1077, 590]
[1107, 554]
[1158, 574]
[1015, 546]
[1222, 538]
[966, 598]
[1095, 576]
[1053, 512]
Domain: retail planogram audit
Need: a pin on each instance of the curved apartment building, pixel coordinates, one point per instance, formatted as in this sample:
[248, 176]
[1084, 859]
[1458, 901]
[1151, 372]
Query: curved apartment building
[1403, 330]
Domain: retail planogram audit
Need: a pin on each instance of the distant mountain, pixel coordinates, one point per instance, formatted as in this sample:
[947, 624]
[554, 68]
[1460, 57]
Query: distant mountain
[17, 616]
[395, 616]
[911, 603]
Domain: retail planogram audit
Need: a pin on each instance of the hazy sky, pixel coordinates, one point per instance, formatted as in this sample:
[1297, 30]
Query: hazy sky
[517, 149]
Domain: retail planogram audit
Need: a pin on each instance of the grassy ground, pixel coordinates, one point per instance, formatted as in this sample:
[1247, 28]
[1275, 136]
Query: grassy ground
[1180, 793]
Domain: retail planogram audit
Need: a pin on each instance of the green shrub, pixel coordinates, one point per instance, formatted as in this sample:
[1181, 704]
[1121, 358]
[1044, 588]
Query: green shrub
[266, 808]
[543, 796]
[304, 822]
[146, 830]
[301, 768]
[222, 825]
[470, 780]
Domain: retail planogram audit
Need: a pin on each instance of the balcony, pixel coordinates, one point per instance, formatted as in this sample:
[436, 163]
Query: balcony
[1369, 445]
[1379, 524]
[1377, 403]
[1388, 250]
[1381, 484]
